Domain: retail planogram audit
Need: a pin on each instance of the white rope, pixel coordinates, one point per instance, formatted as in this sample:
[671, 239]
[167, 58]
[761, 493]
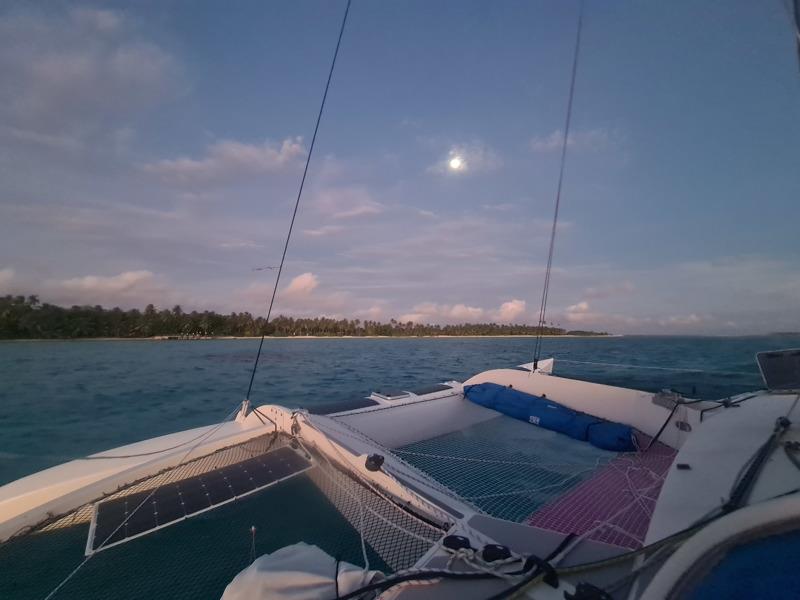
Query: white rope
[462, 525]
[527, 491]
[423, 477]
[362, 507]
[346, 491]
[600, 526]
[637, 493]
[495, 461]
[472, 558]
[653, 367]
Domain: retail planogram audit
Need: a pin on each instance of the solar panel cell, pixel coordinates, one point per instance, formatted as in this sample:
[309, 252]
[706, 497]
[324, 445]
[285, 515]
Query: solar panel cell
[217, 486]
[193, 495]
[168, 506]
[239, 479]
[261, 474]
[141, 519]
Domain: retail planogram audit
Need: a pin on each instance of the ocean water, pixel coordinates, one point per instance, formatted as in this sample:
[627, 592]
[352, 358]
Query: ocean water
[62, 400]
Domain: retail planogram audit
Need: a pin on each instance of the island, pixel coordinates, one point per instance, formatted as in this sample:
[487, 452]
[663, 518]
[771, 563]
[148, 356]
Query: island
[26, 317]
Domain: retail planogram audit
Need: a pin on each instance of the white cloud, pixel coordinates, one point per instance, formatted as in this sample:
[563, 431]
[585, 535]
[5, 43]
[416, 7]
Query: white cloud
[99, 19]
[610, 289]
[691, 319]
[591, 140]
[115, 284]
[305, 296]
[54, 141]
[359, 211]
[127, 289]
[346, 203]
[323, 231]
[228, 159]
[580, 314]
[580, 307]
[431, 312]
[375, 312]
[472, 157]
[239, 244]
[6, 277]
[465, 313]
[500, 206]
[302, 285]
[67, 74]
[511, 310]
[122, 138]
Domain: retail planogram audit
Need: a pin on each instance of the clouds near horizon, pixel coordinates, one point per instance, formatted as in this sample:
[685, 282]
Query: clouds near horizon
[226, 160]
[145, 161]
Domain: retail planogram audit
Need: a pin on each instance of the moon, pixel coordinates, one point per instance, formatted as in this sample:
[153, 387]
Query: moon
[456, 163]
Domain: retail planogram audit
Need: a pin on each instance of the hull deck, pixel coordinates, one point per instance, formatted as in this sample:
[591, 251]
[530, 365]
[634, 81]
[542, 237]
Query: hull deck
[448, 466]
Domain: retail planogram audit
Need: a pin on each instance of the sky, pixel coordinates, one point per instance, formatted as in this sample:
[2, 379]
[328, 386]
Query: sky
[152, 151]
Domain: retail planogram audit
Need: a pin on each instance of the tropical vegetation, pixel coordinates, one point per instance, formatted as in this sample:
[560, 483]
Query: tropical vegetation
[25, 317]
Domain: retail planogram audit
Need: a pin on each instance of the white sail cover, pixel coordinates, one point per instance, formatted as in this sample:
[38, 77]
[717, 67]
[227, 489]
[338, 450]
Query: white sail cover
[297, 572]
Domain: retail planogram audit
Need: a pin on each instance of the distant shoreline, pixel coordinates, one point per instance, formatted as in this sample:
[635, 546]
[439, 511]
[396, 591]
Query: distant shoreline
[293, 337]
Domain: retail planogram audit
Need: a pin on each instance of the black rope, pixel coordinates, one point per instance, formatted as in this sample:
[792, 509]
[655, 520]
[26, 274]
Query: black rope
[790, 448]
[336, 577]
[546, 288]
[663, 427]
[543, 566]
[796, 6]
[299, 195]
[667, 542]
[151, 453]
[744, 485]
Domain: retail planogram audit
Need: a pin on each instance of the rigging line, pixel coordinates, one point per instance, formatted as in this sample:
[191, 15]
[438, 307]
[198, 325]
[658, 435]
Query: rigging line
[299, 195]
[796, 6]
[564, 143]
[656, 368]
[113, 456]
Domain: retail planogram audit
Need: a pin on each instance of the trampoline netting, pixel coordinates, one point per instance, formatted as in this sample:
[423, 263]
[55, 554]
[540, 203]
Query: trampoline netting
[196, 557]
[519, 472]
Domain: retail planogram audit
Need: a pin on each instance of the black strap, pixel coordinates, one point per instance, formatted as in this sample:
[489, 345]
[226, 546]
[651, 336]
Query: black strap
[336, 577]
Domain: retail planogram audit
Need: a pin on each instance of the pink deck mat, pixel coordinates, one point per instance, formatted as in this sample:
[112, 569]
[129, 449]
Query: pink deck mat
[623, 494]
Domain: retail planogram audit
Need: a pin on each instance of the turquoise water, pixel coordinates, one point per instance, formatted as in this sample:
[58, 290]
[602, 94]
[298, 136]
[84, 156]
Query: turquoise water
[62, 400]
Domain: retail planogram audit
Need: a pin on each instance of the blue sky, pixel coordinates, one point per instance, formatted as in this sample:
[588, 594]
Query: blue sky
[150, 152]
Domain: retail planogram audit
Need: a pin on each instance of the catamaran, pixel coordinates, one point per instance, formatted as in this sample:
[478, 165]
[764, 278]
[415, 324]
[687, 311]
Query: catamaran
[515, 482]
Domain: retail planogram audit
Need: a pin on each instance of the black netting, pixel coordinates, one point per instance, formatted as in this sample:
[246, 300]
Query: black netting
[195, 558]
[397, 536]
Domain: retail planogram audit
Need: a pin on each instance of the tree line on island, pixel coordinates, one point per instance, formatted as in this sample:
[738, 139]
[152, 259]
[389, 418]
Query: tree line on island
[25, 317]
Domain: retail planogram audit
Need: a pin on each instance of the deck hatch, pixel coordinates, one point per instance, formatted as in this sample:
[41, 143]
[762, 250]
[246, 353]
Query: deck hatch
[179, 500]
[780, 370]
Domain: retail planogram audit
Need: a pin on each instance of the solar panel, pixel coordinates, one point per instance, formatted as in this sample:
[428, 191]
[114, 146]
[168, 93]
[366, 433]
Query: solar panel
[118, 520]
[430, 389]
[780, 370]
